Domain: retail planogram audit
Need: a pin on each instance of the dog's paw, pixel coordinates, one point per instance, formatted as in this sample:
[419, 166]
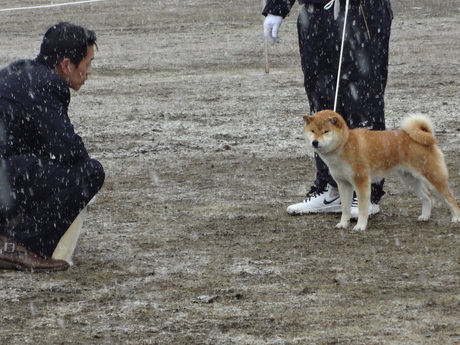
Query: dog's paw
[455, 220]
[342, 225]
[360, 227]
[423, 218]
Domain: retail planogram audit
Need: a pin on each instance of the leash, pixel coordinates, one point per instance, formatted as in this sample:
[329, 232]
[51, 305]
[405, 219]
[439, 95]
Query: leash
[336, 4]
[47, 6]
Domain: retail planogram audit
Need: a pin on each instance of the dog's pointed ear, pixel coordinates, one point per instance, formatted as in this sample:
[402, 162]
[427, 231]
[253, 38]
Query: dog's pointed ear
[307, 119]
[336, 122]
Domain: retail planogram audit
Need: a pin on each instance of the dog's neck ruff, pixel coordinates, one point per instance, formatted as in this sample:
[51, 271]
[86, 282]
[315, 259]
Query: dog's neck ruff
[331, 152]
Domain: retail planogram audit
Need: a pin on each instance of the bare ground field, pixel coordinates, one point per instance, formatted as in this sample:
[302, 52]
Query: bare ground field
[189, 241]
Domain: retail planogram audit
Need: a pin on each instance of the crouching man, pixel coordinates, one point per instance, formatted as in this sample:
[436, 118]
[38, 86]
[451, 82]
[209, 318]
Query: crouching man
[46, 175]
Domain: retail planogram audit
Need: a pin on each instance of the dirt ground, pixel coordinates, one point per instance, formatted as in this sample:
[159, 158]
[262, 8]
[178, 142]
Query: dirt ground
[189, 241]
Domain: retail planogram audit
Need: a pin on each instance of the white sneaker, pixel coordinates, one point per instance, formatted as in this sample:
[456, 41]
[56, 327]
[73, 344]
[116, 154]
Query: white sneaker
[373, 209]
[318, 201]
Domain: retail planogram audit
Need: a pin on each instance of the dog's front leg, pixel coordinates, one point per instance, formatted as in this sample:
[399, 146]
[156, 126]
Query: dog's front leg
[363, 192]
[346, 198]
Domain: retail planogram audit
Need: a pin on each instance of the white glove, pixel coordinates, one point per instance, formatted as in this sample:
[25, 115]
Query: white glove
[271, 26]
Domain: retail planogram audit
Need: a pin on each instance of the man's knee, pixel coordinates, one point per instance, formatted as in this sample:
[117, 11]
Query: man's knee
[95, 174]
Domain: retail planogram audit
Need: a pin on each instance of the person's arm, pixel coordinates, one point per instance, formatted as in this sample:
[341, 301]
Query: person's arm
[56, 132]
[278, 7]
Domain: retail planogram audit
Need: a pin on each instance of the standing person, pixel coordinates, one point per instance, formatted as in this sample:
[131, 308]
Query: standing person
[362, 81]
[46, 175]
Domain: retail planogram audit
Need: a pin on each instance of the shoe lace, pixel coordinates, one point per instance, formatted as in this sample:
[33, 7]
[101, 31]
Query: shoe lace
[314, 193]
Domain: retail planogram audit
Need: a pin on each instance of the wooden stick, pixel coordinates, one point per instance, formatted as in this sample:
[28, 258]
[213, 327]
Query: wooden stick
[266, 63]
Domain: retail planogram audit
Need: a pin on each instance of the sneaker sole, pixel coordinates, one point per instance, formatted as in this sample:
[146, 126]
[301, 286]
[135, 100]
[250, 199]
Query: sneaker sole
[373, 212]
[6, 265]
[330, 210]
[333, 209]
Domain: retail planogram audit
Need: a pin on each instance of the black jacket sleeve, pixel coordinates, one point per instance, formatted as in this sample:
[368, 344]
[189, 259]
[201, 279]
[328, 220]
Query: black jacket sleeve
[283, 7]
[278, 7]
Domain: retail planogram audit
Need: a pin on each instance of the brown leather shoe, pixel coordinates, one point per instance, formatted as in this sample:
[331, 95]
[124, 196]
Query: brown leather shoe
[15, 256]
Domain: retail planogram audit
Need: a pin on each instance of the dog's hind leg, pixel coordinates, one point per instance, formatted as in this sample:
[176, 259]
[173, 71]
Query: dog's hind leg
[441, 184]
[434, 170]
[418, 186]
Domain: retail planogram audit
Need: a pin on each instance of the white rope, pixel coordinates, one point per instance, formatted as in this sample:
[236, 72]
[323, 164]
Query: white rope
[337, 5]
[47, 6]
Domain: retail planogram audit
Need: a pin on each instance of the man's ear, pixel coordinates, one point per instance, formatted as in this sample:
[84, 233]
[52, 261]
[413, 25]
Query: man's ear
[64, 67]
[308, 119]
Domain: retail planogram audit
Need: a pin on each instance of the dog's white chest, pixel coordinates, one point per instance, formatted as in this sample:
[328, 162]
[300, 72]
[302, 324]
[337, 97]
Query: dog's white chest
[339, 168]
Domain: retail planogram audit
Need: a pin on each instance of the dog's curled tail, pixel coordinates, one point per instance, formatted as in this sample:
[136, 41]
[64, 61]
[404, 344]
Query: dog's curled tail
[420, 129]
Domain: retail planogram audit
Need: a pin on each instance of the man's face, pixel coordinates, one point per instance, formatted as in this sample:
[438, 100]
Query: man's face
[77, 75]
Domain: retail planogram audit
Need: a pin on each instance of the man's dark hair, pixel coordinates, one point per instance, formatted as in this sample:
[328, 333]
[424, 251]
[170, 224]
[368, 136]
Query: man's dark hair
[65, 40]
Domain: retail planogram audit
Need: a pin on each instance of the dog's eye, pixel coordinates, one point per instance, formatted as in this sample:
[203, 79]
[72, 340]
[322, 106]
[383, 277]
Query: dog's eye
[326, 131]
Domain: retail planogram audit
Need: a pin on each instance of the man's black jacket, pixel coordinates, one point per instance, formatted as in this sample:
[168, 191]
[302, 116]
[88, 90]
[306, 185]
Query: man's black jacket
[33, 116]
[283, 7]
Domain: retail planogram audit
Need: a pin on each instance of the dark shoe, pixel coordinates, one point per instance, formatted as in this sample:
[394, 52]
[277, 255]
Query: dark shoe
[15, 256]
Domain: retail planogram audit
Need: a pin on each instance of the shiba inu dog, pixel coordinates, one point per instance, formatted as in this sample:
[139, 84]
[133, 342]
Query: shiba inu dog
[358, 157]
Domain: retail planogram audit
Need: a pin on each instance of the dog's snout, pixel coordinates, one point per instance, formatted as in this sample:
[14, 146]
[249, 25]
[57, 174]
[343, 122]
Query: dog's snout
[315, 143]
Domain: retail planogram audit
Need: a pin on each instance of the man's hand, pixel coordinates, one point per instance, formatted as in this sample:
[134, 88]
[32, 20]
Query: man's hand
[271, 26]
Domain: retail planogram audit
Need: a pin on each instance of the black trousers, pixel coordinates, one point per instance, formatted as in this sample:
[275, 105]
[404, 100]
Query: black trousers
[364, 67]
[45, 197]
